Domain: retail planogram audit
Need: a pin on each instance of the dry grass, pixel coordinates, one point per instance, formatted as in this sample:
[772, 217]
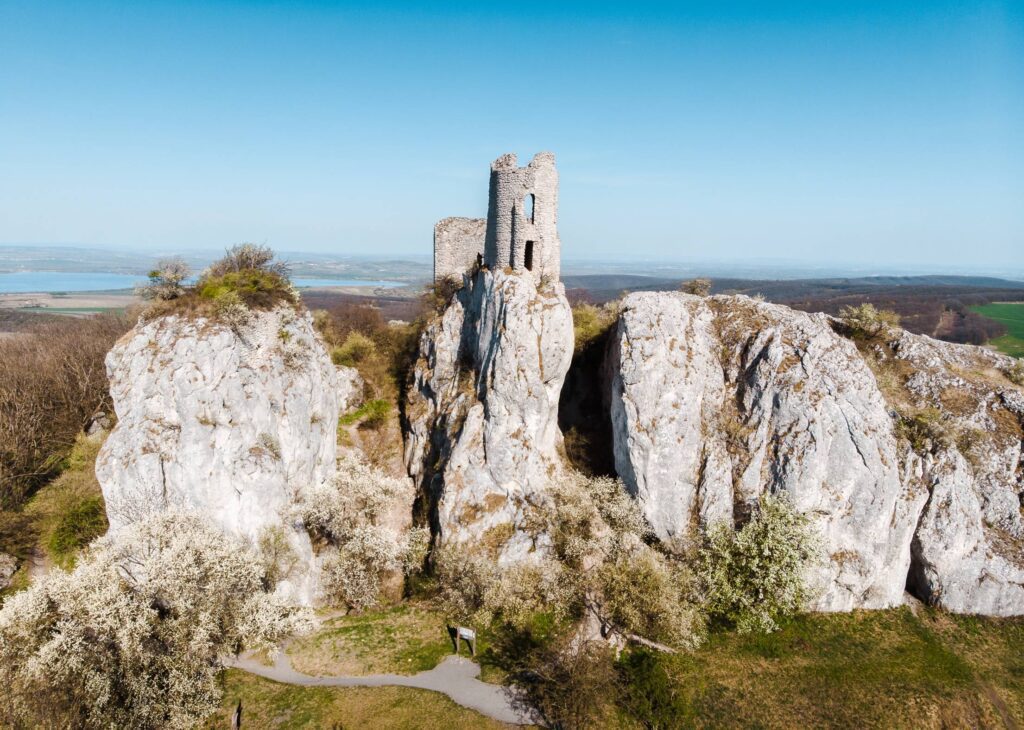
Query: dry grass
[267, 704]
[867, 669]
[383, 354]
[52, 380]
[405, 639]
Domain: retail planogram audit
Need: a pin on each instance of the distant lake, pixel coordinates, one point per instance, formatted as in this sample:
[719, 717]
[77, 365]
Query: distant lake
[24, 282]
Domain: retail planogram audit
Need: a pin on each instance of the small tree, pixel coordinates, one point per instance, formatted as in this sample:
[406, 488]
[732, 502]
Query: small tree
[754, 577]
[571, 683]
[698, 287]
[865, 322]
[437, 295]
[248, 257]
[350, 514]
[166, 281]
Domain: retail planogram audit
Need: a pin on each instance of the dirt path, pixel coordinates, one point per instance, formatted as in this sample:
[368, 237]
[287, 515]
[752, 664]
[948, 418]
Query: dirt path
[455, 677]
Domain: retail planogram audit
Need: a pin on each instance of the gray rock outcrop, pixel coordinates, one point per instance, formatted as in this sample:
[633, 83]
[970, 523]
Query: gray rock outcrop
[969, 546]
[482, 434]
[8, 567]
[232, 423]
[716, 401]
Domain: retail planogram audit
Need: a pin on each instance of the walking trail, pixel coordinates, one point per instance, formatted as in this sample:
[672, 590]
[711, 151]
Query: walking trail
[455, 676]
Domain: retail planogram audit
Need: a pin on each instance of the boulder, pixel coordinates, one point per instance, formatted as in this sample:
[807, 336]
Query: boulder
[968, 550]
[906, 452]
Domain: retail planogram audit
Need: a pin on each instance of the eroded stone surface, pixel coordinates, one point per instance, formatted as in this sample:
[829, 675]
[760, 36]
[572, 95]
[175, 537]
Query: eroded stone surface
[482, 437]
[717, 401]
[8, 567]
[969, 546]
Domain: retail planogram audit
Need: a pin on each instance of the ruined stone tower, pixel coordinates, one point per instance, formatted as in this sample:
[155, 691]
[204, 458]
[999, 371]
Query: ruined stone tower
[521, 229]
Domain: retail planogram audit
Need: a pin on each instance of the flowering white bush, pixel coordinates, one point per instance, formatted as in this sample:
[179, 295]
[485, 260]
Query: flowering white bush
[350, 514]
[134, 635]
[757, 575]
[474, 590]
[599, 558]
[648, 594]
[592, 519]
[357, 496]
[353, 573]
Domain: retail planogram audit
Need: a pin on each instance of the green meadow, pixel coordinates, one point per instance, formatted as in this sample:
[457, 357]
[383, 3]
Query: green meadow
[1010, 314]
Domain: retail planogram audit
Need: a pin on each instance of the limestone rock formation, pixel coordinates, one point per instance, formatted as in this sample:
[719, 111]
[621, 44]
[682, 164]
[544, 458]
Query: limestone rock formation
[716, 401]
[482, 435]
[233, 423]
[969, 546]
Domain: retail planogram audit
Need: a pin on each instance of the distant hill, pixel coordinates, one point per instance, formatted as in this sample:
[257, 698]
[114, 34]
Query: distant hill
[609, 286]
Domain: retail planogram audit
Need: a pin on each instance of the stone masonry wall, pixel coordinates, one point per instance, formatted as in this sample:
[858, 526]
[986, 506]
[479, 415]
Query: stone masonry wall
[511, 230]
[457, 244]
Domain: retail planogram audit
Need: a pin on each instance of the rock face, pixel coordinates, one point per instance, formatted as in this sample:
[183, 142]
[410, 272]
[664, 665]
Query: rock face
[716, 401]
[482, 432]
[233, 424]
[8, 567]
[969, 546]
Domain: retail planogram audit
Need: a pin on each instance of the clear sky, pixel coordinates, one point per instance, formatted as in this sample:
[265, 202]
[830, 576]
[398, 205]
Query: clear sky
[825, 131]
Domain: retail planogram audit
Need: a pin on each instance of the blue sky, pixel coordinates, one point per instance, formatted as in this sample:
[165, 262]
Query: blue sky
[868, 133]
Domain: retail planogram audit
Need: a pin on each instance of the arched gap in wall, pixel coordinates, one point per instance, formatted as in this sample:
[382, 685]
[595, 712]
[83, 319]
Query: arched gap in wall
[528, 205]
[528, 257]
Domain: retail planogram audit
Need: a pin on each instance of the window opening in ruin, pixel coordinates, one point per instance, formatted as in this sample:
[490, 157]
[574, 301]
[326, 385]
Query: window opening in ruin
[528, 207]
[528, 259]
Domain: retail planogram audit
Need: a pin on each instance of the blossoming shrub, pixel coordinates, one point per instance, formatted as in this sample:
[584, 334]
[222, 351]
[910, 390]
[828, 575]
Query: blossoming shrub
[476, 591]
[134, 636]
[348, 516]
[599, 561]
[757, 575]
[646, 594]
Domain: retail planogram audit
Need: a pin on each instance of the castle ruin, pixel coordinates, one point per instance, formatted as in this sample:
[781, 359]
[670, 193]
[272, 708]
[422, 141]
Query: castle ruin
[520, 232]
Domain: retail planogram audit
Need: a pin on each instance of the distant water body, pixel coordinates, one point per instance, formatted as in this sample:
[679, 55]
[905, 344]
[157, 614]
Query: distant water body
[25, 282]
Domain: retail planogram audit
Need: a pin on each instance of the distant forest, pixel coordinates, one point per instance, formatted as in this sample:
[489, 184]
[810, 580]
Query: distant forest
[938, 306]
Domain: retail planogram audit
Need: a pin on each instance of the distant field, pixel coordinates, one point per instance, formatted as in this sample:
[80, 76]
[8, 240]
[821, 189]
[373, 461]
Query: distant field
[1010, 314]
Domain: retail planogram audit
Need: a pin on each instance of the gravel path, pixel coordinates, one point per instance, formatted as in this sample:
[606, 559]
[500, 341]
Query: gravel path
[455, 676]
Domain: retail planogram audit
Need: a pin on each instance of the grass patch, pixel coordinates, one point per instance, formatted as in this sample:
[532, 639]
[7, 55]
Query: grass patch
[865, 669]
[371, 414]
[75, 528]
[267, 704]
[68, 513]
[1011, 315]
[404, 639]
